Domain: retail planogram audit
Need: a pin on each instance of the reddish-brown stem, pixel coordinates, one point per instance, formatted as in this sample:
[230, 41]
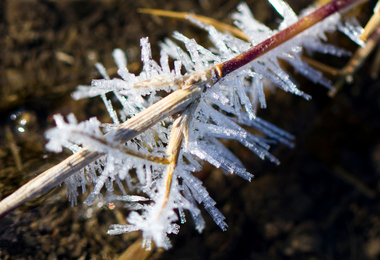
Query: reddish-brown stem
[239, 61]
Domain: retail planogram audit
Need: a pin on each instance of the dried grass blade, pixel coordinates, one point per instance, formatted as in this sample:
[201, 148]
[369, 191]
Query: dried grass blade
[204, 19]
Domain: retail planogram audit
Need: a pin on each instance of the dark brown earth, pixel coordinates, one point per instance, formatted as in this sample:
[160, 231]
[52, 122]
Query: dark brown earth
[321, 203]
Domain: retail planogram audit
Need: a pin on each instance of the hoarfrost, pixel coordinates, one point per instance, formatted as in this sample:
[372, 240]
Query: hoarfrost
[218, 114]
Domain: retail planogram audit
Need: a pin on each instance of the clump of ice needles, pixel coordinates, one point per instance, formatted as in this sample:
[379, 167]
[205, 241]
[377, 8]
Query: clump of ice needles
[215, 113]
[163, 141]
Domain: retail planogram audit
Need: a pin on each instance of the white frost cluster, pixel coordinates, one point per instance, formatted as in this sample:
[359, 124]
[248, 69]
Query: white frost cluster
[219, 114]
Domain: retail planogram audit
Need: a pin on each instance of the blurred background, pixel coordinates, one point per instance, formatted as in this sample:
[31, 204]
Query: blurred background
[322, 202]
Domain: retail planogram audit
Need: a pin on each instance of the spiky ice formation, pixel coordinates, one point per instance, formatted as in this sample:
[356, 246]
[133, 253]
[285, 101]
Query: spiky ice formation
[217, 113]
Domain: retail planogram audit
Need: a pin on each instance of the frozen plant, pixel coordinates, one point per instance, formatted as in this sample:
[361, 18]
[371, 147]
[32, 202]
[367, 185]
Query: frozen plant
[164, 140]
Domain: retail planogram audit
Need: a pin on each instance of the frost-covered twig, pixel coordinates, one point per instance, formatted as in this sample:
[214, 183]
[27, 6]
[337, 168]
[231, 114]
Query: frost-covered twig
[168, 106]
[203, 105]
[281, 37]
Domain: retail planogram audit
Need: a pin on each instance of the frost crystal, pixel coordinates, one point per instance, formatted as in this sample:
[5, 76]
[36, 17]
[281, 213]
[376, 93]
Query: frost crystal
[217, 114]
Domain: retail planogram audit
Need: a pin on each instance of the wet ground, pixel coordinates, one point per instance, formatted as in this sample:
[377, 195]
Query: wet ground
[321, 203]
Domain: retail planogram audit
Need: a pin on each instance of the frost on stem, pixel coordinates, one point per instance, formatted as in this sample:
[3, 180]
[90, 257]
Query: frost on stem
[209, 113]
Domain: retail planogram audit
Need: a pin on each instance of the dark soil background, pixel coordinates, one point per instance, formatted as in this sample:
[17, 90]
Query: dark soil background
[321, 203]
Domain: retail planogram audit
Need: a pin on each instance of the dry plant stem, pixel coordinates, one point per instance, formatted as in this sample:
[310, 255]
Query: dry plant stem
[372, 24]
[321, 66]
[136, 251]
[234, 31]
[175, 102]
[179, 131]
[47, 180]
[375, 68]
[360, 55]
[183, 15]
[356, 182]
[356, 61]
[13, 147]
[283, 36]
[173, 151]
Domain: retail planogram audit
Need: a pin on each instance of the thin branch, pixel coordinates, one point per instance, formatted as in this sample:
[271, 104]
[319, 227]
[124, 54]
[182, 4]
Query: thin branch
[357, 60]
[372, 24]
[304, 23]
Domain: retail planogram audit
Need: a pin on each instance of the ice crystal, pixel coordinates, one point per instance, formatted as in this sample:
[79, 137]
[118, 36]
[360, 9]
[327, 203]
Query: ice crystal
[217, 114]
